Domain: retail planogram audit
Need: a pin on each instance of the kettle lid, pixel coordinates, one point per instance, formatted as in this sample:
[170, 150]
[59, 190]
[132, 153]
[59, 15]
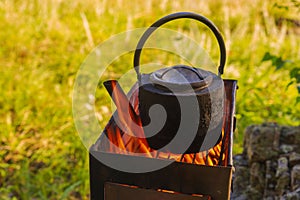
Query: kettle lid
[181, 77]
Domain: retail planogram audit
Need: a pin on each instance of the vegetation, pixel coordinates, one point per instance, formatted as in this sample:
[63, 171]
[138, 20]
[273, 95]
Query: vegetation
[43, 43]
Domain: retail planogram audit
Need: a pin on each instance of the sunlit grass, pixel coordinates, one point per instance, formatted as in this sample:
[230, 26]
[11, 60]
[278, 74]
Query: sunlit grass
[43, 43]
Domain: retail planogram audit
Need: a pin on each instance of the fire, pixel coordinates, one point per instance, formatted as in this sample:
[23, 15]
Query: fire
[133, 142]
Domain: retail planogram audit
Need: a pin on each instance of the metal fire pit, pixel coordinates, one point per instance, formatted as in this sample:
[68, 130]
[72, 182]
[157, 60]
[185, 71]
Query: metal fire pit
[185, 180]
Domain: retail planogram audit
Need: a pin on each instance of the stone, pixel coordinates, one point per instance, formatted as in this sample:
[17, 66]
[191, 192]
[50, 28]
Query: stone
[295, 177]
[254, 194]
[240, 181]
[292, 195]
[246, 144]
[269, 167]
[282, 166]
[257, 174]
[239, 197]
[282, 175]
[262, 143]
[270, 179]
[269, 198]
[283, 183]
[286, 148]
[240, 160]
[290, 135]
[294, 159]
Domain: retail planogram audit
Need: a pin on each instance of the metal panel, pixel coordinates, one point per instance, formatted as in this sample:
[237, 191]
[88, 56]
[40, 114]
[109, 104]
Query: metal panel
[180, 177]
[117, 191]
[229, 121]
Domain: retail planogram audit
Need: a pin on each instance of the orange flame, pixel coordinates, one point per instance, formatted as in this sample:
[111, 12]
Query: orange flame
[133, 141]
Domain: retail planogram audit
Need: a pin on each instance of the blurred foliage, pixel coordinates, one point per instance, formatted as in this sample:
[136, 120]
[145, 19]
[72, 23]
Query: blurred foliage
[43, 43]
[294, 69]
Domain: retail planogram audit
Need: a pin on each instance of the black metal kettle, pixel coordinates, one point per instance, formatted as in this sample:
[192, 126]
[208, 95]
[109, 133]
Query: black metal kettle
[200, 92]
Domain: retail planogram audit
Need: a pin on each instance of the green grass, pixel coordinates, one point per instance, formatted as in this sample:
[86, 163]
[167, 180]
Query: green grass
[44, 42]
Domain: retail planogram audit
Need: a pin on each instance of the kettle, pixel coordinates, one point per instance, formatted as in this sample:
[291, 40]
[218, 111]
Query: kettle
[191, 98]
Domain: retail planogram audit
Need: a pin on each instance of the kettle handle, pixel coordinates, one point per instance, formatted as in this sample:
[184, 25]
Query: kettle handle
[178, 15]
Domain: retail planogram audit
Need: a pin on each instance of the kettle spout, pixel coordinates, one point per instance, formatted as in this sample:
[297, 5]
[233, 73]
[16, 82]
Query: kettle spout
[124, 107]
